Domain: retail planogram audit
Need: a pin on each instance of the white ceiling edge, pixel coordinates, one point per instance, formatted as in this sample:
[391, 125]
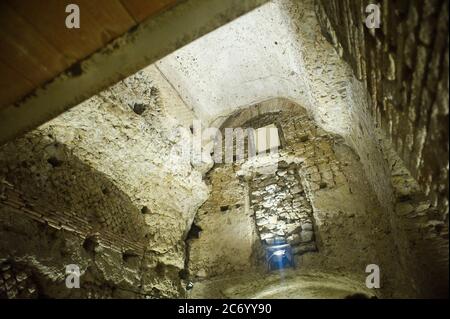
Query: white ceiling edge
[252, 59]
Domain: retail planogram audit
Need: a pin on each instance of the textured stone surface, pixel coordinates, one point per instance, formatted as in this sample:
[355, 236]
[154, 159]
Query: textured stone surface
[227, 241]
[340, 226]
[295, 284]
[251, 59]
[279, 200]
[112, 186]
[93, 171]
[423, 231]
[310, 73]
[404, 66]
[281, 207]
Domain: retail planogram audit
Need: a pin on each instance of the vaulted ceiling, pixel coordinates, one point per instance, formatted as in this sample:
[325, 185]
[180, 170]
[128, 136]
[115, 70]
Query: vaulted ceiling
[47, 68]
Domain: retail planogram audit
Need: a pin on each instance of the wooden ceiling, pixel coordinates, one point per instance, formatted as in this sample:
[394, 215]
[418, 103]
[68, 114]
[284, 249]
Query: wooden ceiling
[36, 46]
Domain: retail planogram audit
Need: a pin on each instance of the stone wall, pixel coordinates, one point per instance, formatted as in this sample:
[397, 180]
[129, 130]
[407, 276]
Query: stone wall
[109, 186]
[350, 228]
[423, 233]
[278, 198]
[282, 209]
[120, 235]
[43, 172]
[404, 67]
[16, 282]
[224, 239]
[35, 251]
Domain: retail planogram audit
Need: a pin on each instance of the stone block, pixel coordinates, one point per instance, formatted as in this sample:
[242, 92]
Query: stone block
[294, 239]
[293, 228]
[265, 236]
[304, 248]
[306, 236]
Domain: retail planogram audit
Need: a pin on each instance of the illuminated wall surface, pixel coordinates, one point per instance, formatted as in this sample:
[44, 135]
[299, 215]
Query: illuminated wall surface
[299, 151]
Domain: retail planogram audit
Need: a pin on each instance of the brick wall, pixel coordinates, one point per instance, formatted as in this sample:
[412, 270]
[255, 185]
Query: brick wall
[68, 221]
[404, 67]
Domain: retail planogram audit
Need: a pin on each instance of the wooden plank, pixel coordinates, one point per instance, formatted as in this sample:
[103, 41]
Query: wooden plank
[25, 50]
[100, 22]
[142, 9]
[12, 85]
[155, 38]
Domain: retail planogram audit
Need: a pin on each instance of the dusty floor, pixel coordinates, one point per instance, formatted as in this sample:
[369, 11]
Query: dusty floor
[287, 283]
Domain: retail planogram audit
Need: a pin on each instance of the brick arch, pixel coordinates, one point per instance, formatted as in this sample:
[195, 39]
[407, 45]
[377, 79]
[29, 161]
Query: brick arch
[65, 193]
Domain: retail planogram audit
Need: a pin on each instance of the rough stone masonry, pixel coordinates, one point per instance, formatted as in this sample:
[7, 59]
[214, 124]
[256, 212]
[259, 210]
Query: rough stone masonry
[404, 66]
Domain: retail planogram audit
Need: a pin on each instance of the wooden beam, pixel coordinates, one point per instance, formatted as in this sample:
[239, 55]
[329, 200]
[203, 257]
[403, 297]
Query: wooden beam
[101, 22]
[153, 39]
[141, 9]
